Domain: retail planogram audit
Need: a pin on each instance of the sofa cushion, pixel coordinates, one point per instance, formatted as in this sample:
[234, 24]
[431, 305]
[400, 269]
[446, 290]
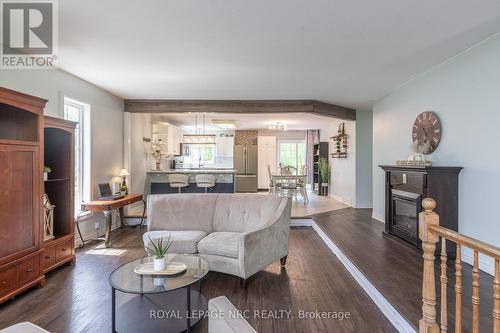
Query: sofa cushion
[184, 241]
[181, 211]
[240, 213]
[220, 243]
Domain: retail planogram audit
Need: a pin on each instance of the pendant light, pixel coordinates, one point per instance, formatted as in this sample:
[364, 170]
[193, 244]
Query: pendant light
[199, 138]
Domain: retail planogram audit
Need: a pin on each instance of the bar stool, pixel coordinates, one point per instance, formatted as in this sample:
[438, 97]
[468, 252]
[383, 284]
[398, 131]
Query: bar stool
[178, 180]
[205, 181]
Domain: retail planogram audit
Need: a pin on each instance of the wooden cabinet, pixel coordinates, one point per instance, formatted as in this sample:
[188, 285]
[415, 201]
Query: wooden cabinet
[267, 155]
[320, 150]
[21, 142]
[174, 140]
[19, 201]
[405, 189]
[28, 270]
[8, 281]
[48, 257]
[224, 146]
[27, 141]
[59, 187]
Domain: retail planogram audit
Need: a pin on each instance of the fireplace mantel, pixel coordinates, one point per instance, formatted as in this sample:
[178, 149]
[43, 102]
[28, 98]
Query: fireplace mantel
[405, 187]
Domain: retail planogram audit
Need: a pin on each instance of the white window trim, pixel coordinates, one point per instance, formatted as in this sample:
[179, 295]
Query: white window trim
[86, 147]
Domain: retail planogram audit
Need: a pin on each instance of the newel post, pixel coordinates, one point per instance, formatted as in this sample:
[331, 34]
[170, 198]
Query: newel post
[427, 218]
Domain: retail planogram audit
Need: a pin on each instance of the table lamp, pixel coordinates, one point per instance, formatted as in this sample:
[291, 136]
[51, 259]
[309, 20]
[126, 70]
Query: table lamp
[124, 173]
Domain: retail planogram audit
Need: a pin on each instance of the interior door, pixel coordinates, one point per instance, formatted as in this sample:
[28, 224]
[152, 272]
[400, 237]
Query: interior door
[19, 201]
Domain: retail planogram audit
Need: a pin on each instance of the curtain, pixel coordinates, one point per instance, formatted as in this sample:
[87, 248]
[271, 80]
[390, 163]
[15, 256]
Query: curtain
[312, 137]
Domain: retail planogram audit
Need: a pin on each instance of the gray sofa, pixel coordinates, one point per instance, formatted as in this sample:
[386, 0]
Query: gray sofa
[237, 234]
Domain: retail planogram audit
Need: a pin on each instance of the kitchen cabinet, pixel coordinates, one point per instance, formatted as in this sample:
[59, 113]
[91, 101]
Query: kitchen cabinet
[267, 155]
[224, 146]
[174, 140]
[169, 137]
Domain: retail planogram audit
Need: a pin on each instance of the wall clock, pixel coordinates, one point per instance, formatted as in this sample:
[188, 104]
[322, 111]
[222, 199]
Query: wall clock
[427, 132]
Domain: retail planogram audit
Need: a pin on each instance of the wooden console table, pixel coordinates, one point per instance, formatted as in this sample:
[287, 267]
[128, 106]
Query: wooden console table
[107, 207]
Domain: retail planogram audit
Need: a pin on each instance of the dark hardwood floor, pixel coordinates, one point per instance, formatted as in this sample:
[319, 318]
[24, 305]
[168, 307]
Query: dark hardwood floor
[395, 268]
[78, 298]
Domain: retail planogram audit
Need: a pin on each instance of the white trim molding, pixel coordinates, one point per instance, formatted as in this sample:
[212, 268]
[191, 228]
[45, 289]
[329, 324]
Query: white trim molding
[378, 217]
[393, 315]
[345, 201]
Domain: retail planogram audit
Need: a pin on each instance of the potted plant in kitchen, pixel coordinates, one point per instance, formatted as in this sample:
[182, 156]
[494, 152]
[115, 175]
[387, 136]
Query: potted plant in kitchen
[324, 176]
[158, 248]
[46, 171]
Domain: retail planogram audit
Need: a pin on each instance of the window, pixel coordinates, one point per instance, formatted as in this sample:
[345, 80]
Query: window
[202, 153]
[80, 113]
[292, 152]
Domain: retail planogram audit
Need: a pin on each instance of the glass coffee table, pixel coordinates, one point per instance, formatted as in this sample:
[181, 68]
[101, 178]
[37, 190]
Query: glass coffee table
[154, 303]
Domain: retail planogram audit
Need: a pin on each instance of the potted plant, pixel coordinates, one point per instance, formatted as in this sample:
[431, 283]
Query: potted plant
[158, 249]
[324, 175]
[46, 171]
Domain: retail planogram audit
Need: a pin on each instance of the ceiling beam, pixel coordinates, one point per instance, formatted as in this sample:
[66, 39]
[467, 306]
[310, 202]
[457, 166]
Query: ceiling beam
[239, 106]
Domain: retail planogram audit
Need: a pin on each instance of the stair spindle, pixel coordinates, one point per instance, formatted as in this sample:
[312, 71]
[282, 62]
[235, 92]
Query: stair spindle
[458, 290]
[428, 218]
[444, 283]
[475, 294]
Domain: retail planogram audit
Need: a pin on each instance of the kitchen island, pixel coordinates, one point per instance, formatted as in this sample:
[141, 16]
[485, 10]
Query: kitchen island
[157, 182]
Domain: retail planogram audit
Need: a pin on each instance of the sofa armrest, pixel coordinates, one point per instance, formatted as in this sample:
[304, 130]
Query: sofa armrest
[259, 248]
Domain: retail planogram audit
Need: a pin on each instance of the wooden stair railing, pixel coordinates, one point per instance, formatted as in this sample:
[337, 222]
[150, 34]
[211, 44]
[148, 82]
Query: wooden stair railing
[430, 232]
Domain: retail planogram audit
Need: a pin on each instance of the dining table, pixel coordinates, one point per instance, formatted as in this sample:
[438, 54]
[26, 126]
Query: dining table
[284, 179]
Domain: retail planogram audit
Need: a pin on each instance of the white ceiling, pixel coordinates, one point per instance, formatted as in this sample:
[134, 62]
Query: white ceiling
[348, 52]
[293, 121]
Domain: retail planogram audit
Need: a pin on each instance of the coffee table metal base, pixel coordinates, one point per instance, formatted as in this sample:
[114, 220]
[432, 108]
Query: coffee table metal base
[165, 312]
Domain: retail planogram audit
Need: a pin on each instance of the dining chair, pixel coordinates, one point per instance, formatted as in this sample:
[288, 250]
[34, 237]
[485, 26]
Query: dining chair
[289, 170]
[274, 185]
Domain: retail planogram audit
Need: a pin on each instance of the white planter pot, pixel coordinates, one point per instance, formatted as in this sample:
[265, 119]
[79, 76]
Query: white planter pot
[159, 264]
[158, 282]
[324, 184]
[45, 176]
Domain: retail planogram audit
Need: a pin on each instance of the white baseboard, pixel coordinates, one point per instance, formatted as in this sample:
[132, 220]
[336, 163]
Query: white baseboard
[486, 264]
[396, 319]
[345, 201]
[135, 221]
[363, 205]
[378, 217]
[90, 219]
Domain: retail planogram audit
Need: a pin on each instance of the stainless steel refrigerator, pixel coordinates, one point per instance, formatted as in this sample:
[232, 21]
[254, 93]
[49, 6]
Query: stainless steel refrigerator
[246, 165]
